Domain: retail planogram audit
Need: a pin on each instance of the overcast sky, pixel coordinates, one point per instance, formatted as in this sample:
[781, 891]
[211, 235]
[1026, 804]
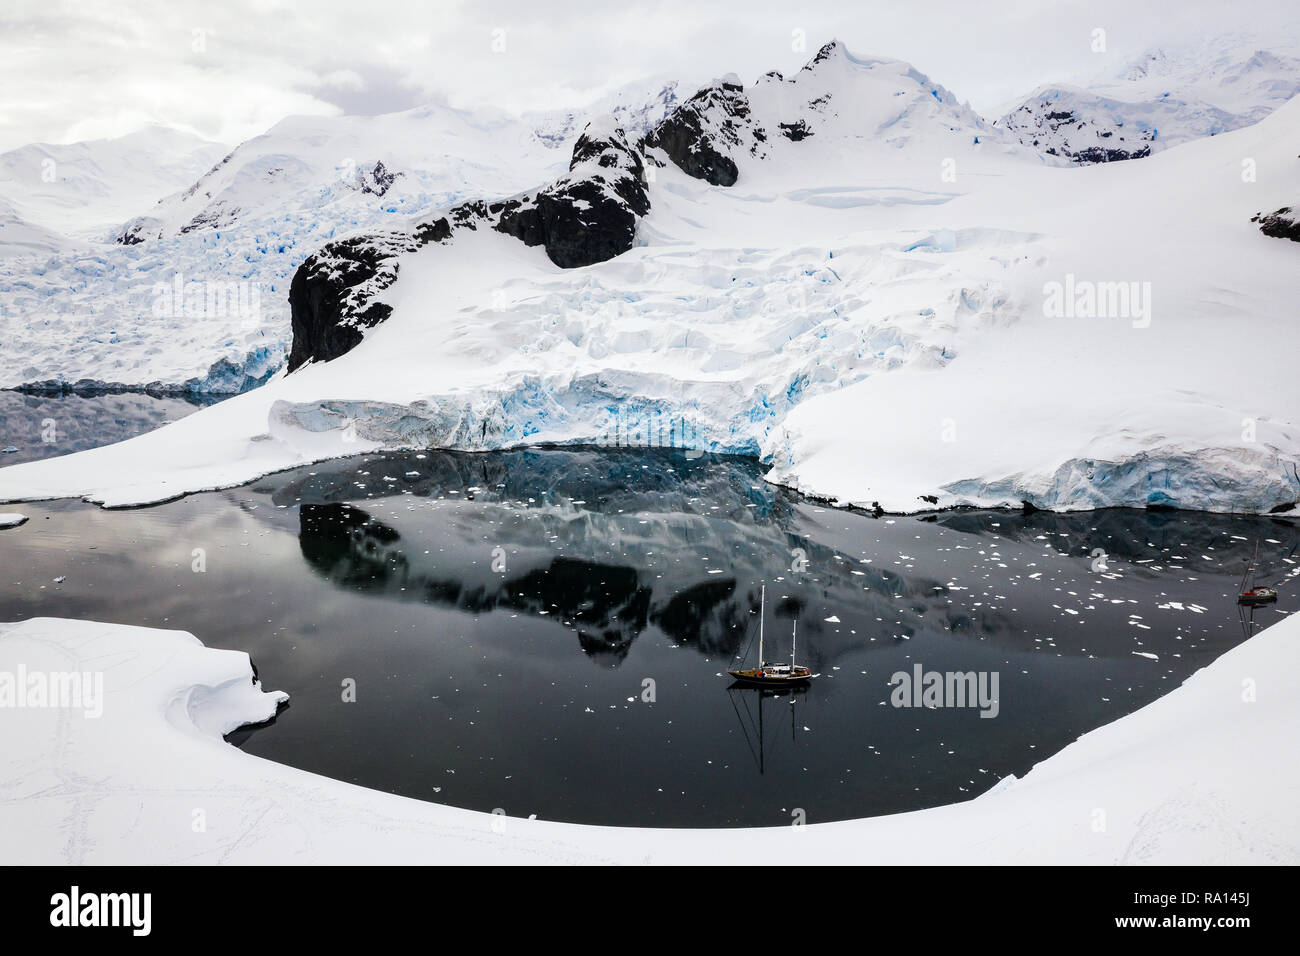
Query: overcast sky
[228, 70]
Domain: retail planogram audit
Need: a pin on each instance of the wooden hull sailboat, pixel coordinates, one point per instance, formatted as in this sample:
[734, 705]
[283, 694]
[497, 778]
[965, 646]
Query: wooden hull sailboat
[772, 674]
[1257, 596]
[1250, 594]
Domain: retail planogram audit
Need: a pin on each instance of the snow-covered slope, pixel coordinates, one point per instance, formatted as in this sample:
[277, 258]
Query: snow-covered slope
[1238, 77]
[633, 107]
[20, 238]
[878, 334]
[845, 103]
[1200, 776]
[83, 189]
[352, 169]
[104, 313]
[1186, 401]
[99, 312]
[1163, 99]
[349, 169]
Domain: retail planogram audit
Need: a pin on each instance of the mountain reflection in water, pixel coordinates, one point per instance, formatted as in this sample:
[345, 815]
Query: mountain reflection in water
[548, 630]
[600, 541]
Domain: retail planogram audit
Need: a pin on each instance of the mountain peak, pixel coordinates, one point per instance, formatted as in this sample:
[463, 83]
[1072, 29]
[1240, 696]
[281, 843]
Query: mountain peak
[830, 49]
[1152, 63]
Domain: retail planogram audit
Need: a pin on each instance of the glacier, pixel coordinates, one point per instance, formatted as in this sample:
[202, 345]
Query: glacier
[863, 309]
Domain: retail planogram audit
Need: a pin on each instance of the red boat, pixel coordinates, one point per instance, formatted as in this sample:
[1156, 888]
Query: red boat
[1254, 596]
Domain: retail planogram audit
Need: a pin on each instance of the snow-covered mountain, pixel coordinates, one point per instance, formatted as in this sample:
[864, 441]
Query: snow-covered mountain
[80, 300]
[850, 101]
[1162, 99]
[83, 188]
[1237, 77]
[634, 108]
[355, 168]
[22, 239]
[96, 310]
[845, 273]
[346, 169]
[838, 110]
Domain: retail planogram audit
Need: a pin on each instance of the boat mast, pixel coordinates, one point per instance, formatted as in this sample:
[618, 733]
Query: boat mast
[1248, 574]
[762, 603]
[794, 641]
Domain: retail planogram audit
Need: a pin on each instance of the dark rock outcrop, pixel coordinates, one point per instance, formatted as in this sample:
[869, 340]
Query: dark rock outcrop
[330, 297]
[796, 131]
[376, 181]
[1045, 126]
[587, 216]
[1099, 154]
[590, 215]
[703, 135]
[138, 230]
[582, 218]
[1282, 224]
[219, 215]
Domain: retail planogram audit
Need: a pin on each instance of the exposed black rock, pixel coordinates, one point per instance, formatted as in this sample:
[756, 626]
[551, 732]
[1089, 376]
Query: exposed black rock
[138, 230]
[585, 217]
[795, 131]
[219, 215]
[376, 181]
[703, 134]
[1063, 132]
[330, 296]
[1283, 224]
[827, 50]
[1097, 154]
[590, 215]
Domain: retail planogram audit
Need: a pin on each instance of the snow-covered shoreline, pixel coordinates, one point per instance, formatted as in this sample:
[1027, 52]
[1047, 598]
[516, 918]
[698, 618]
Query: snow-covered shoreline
[1199, 776]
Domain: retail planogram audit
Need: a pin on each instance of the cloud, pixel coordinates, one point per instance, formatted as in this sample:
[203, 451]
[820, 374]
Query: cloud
[229, 71]
[370, 89]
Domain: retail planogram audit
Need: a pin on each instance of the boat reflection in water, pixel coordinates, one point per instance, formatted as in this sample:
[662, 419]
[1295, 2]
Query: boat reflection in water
[549, 631]
[747, 700]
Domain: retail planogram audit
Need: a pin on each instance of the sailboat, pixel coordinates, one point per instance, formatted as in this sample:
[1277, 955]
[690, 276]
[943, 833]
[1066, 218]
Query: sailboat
[1249, 593]
[768, 674]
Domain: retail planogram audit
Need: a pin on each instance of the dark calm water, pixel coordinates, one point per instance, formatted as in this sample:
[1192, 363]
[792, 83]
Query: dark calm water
[501, 614]
[43, 426]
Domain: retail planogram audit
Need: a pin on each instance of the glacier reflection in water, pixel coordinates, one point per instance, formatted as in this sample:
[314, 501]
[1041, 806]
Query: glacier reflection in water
[547, 631]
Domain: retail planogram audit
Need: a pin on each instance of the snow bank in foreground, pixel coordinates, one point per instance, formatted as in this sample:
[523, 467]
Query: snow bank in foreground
[11, 519]
[1201, 776]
